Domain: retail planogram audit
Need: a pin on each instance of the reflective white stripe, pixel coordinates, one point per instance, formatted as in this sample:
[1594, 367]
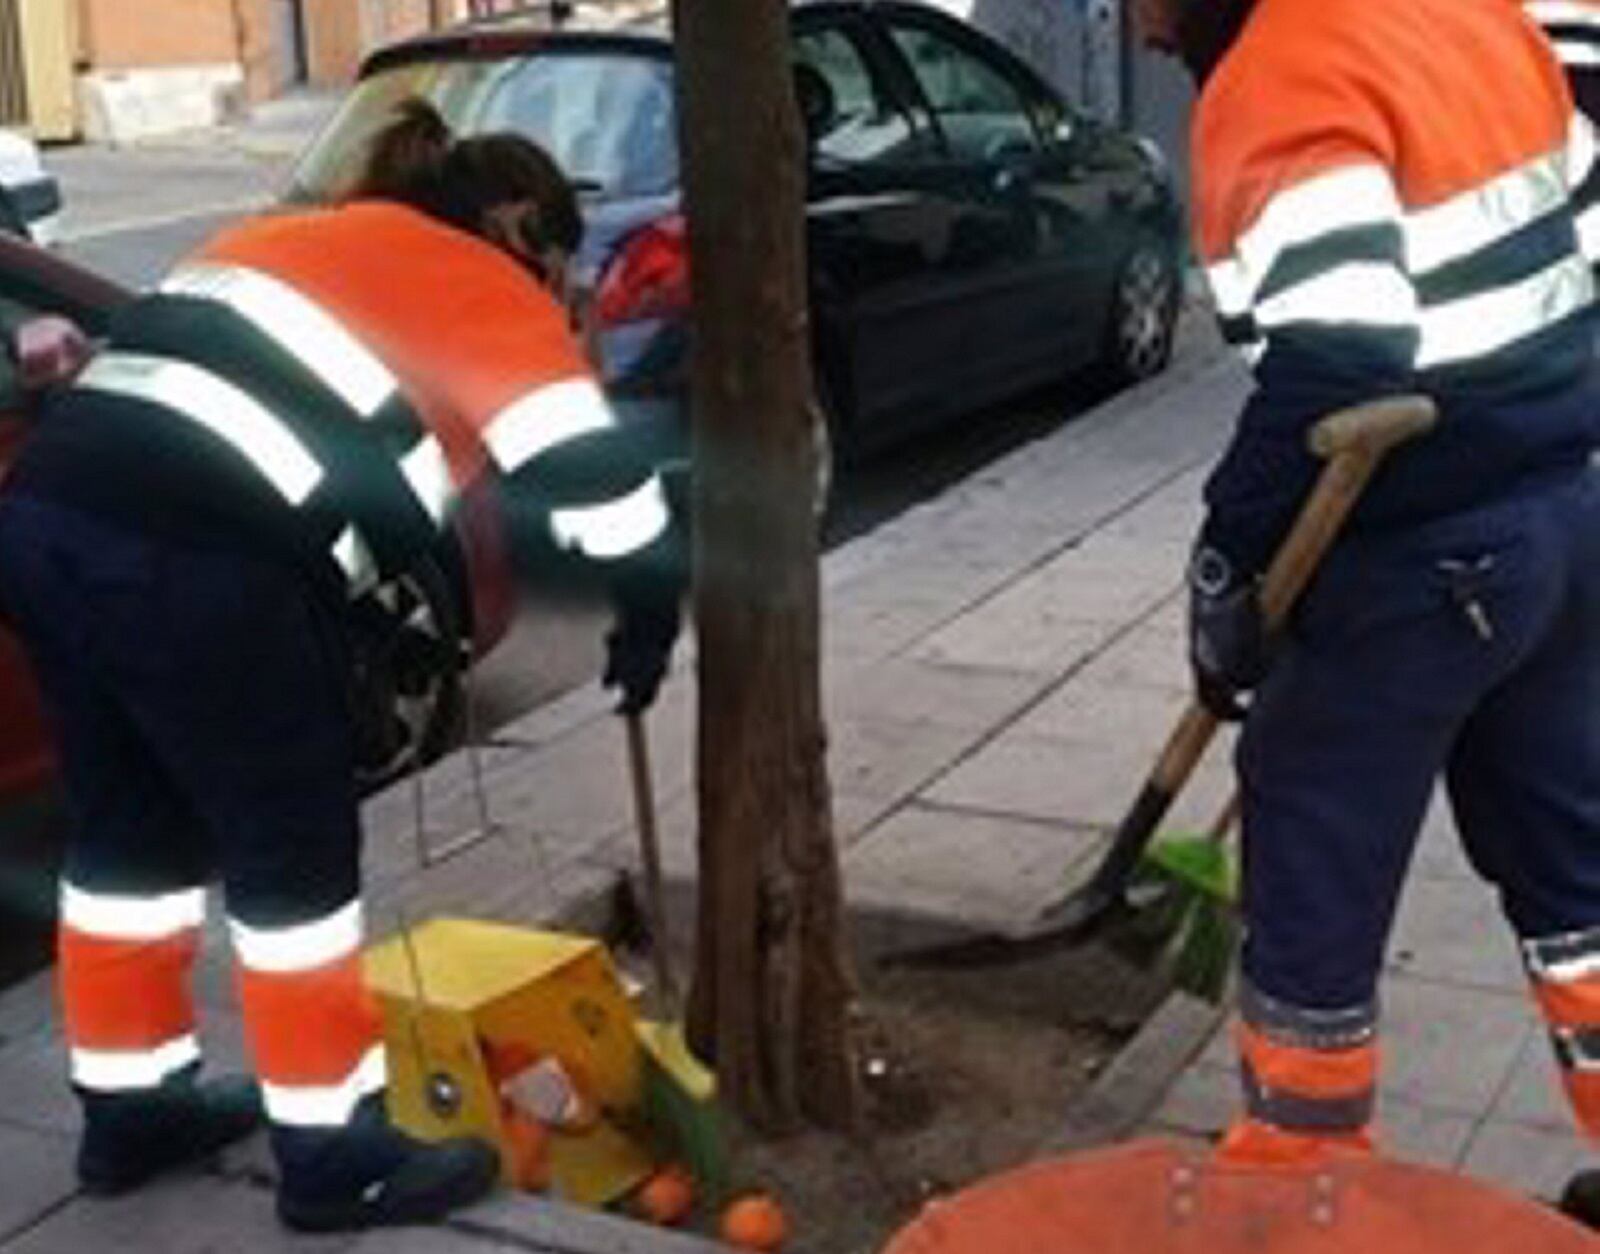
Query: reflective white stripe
[1253, 352]
[616, 528]
[116, 1071]
[1583, 147]
[360, 568]
[1564, 12]
[309, 333]
[122, 917]
[1362, 293]
[428, 473]
[1478, 325]
[1473, 220]
[326, 1106]
[1581, 55]
[544, 418]
[1231, 288]
[1589, 232]
[1357, 195]
[212, 402]
[304, 947]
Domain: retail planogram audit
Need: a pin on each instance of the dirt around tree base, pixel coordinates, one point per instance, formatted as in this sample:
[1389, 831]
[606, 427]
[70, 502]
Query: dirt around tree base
[966, 1073]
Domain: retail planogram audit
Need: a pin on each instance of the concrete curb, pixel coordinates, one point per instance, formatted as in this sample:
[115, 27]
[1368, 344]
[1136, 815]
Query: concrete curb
[1127, 1093]
[538, 1224]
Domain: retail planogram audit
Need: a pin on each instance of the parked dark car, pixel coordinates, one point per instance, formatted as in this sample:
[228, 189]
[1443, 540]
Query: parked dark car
[970, 234]
[30, 197]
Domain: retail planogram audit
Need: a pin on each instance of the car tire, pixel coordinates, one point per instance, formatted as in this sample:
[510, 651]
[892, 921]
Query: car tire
[1143, 312]
[825, 439]
[408, 669]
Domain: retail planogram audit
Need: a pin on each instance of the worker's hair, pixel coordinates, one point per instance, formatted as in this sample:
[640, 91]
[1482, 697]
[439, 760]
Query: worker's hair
[417, 161]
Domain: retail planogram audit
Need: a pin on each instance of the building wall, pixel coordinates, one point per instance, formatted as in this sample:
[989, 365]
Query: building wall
[119, 35]
[339, 34]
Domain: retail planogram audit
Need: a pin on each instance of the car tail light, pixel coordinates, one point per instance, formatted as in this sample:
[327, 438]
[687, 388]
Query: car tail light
[649, 277]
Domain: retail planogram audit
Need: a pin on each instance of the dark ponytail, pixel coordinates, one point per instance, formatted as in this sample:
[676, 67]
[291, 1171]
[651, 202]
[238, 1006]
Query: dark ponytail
[416, 161]
[406, 160]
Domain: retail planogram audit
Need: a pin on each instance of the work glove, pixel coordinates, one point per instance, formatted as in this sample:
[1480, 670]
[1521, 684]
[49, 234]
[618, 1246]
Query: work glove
[638, 653]
[1228, 647]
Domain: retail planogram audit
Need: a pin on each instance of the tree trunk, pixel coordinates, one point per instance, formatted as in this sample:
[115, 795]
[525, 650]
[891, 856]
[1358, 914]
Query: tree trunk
[773, 991]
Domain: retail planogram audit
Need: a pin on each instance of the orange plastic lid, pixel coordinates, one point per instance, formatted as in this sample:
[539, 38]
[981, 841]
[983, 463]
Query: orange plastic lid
[1152, 1197]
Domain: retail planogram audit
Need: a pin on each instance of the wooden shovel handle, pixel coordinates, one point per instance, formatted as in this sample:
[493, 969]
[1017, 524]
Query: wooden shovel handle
[1352, 442]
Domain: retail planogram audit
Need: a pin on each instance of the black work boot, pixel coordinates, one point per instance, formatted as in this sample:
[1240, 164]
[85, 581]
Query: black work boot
[1581, 1201]
[130, 1138]
[371, 1175]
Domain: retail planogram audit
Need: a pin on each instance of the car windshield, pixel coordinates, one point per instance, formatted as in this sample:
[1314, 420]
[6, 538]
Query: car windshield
[606, 117]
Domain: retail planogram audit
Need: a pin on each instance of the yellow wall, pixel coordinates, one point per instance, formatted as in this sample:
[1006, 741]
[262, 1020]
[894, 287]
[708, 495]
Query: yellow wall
[48, 39]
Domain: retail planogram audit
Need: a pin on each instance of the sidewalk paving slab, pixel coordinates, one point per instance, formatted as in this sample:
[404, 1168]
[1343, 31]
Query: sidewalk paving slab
[37, 1178]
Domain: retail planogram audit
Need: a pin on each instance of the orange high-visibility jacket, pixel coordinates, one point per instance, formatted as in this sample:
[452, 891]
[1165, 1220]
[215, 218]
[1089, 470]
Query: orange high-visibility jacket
[364, 365]
[1382, 203]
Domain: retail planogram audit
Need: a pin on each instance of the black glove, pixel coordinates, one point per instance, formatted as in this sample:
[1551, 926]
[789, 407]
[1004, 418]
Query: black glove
[1228, 646]
[638, 652]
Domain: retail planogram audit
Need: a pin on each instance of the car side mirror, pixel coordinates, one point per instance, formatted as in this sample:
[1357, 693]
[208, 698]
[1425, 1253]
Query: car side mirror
[48, 350]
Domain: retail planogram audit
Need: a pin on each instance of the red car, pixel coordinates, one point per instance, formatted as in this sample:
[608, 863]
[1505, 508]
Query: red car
[462, 599]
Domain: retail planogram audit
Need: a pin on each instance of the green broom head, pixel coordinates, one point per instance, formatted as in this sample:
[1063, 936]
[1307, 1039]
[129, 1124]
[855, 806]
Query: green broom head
[680, 1104]
[1196, 913]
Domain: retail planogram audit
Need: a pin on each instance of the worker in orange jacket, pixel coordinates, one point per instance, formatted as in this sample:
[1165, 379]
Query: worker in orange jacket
[1384, 203]
[266, 443]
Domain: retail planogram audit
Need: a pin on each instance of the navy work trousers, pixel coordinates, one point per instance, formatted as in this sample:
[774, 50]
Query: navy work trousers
[196, 695]
[1467, 649]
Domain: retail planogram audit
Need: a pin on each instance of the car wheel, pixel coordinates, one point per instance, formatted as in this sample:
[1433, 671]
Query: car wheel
[822, 467]
[408, 667]
[1144, 306]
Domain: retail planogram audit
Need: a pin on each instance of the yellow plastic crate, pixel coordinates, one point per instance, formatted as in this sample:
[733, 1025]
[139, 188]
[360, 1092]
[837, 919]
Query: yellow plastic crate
[489, 984]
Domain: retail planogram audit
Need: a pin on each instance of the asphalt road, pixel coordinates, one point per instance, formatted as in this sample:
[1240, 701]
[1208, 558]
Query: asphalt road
[131, 214]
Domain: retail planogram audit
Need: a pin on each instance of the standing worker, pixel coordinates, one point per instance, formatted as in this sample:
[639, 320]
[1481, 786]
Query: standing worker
[287, 424]
[1374, 221]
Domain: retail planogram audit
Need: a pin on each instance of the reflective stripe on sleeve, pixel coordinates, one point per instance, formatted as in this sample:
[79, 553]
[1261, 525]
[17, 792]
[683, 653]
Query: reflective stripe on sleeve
[117, 1071]
[127, 917]
[326, 1106]
[303, 947]
[544, 418]
[303, 328]
[427, 472]
[210, 401]
[1464, 224]
[1564, 13]
[616, 528]
[1589, 232]
[1475, 326]
[1358, 294]
[1579, 55]
[1357, 195]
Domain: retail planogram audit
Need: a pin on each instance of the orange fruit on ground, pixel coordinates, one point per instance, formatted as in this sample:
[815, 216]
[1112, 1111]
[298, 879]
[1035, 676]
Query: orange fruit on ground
[755, 1222]
[667, 1197]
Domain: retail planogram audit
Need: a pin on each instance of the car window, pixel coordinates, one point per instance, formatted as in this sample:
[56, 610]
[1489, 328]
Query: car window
[851, 120]
[607, 118]
[981, 111]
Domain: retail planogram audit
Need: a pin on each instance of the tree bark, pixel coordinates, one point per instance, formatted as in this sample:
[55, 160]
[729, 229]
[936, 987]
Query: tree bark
[771, 1001]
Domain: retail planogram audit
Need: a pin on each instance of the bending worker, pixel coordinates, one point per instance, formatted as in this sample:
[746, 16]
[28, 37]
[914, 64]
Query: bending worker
[1373, 221]
[287, 424]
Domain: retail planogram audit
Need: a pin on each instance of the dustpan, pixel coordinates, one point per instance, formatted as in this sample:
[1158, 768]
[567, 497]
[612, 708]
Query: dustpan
[1154, 1197]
